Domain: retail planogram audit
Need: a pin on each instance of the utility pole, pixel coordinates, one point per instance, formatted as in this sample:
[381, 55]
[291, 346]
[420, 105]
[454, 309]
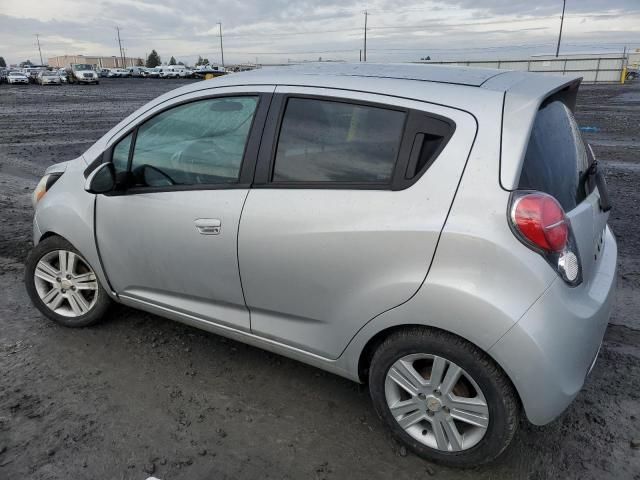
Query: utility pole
[221, 49]
[120, 45]
[38, 40]
[564, 4]
[366, 14]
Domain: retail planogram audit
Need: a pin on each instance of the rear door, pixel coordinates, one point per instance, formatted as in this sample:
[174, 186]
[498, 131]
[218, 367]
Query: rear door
[351, 193]
[556, 162]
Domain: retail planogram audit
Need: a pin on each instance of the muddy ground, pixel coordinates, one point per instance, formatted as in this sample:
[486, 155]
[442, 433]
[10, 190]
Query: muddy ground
[139, 394]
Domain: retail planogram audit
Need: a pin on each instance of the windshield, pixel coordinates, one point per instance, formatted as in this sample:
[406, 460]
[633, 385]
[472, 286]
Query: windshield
[49, 74]
[83, 66]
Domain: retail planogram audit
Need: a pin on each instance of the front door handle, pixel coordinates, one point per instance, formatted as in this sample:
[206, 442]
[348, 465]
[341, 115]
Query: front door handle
[208, 226]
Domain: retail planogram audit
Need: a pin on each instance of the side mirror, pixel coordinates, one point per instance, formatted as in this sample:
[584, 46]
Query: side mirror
[102, 179]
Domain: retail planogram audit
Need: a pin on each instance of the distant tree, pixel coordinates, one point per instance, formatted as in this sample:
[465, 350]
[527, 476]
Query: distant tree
[179, 63]
[172, 61]
[205, 61]
[2, 62]
[153, 60]
[199, 61]
[139, 63]
[26, 64]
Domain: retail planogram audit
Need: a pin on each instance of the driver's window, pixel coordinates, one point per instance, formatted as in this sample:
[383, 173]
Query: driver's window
[196, 143]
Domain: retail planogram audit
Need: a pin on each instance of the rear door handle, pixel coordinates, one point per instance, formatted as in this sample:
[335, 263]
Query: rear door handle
[208, 226]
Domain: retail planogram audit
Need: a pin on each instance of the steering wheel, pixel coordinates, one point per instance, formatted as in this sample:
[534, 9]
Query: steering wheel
[181, 161]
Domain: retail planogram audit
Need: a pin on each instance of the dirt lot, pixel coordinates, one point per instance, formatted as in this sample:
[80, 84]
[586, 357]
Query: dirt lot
[139, 394]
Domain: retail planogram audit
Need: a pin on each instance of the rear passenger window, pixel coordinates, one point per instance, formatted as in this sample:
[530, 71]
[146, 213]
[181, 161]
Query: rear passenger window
[556, 156]
[330, 141]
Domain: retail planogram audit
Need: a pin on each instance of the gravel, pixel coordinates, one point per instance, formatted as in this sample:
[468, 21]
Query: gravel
[142, 391]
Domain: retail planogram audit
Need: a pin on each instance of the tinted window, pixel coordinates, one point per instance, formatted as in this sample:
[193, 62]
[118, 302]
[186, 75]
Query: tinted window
[325, 141]
[556, 156]
[197, 143]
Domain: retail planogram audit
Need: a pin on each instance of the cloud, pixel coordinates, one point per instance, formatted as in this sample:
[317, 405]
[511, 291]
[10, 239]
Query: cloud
[279, 30]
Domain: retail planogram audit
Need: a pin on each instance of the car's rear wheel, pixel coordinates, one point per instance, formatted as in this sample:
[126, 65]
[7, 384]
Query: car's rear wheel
[62, 284]
[442, 397]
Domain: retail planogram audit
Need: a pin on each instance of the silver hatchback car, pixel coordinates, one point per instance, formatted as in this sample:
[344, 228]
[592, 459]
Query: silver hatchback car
[437, 232]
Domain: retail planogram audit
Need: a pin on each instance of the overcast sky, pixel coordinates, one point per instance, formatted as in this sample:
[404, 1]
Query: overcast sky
[282, 30]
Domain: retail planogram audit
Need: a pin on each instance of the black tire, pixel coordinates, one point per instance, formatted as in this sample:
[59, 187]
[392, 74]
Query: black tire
[501, 397]
[97, 311]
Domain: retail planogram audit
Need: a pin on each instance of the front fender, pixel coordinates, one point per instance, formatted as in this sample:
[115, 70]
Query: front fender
[67, 210]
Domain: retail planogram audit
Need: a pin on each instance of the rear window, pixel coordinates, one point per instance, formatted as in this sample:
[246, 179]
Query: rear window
[556, 156]
[336, 142]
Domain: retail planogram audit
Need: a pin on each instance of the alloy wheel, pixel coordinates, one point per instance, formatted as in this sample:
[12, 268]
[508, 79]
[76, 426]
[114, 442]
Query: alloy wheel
[436, 402]
[65, 283]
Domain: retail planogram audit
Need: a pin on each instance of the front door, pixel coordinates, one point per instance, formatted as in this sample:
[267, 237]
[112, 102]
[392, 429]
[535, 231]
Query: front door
[168, 237]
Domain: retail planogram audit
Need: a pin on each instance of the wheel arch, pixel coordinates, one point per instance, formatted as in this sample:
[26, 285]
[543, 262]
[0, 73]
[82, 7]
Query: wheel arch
[367, 352]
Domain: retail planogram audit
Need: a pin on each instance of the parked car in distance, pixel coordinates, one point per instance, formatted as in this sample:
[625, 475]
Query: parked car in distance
[176, 71]
[122, 72]
[137, 71]
[154, 72]
[166, 71]
[82, 73]
[201, 71]
[3, 74]
[32, 73]
[49, 77]
[62, 73]
[439, 233]
[15, 77]
[103, 72]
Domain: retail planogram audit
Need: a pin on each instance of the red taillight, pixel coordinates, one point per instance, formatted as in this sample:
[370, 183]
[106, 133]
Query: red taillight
[541, 220]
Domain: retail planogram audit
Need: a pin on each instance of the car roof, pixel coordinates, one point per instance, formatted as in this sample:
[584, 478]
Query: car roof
[328, 74]
[470, 76]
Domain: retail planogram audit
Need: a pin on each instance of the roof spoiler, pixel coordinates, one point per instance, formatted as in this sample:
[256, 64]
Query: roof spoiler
[521, 102]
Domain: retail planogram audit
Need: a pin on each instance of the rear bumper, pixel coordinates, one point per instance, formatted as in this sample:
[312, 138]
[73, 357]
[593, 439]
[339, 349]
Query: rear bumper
[553, 347]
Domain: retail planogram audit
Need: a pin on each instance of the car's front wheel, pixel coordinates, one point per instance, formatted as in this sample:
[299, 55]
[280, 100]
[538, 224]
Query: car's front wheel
[442, 397]
[62, 284]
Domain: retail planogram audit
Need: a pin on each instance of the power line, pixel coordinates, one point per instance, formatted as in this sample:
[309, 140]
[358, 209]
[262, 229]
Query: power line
[366, 14]
[221, 49]
[564, 4]
[120, 46]
[39, 50]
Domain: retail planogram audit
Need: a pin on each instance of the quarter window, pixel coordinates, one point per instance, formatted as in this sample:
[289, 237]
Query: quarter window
[120, 157]
[329, 141]
[197, 143]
